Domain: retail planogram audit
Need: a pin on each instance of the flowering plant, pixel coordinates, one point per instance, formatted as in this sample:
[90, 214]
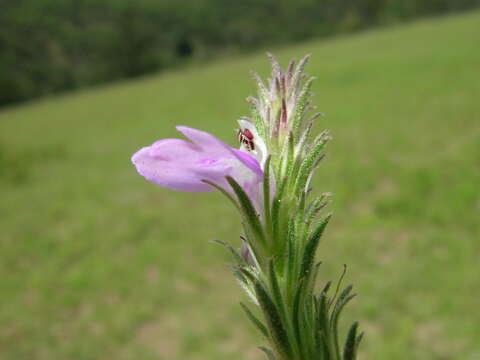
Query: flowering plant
[268, 181]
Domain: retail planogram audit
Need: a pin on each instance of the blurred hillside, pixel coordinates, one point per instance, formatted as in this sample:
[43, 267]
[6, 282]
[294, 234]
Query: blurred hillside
[53, 45]
[96, 263]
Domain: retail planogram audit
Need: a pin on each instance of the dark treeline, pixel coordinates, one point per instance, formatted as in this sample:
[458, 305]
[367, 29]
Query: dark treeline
[53, 45]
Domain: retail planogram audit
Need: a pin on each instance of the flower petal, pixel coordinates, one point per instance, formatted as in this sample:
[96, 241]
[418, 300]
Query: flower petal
[182, 165]
[168, 163]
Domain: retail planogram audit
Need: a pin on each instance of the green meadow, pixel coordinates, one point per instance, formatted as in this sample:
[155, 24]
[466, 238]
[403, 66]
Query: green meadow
[97, 263]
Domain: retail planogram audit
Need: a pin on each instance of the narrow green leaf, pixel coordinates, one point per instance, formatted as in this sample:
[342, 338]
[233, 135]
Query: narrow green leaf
[274, 321]
[248, 210]
[262, 89]
[302, 102]
[297, 317]
[308, 324]
[268, 352]
[339, 283]
[290, 272]
[301, 227]
[312, 209]
[343, 300]
[338, 310]
[326, 288]
[255, 320]
[322, 315]
[298, 74]
[359, 339]
[277, 294]
[248, 274]
[302, 139]
[350, 349]
[232, 250]
[313, 278]
[324, 336]
[301, 65]
[289, 72]
[286, 157]
[345, 292]
[245, 283]
[276, 69]
[309, 163]
[239, 274]
[290, 155]
[311, 247]
[276, 209]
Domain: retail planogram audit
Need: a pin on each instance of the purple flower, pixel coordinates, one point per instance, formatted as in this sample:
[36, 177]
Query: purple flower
[182, 165]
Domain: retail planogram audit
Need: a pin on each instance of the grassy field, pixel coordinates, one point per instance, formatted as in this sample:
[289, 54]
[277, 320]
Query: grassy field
[96, 263]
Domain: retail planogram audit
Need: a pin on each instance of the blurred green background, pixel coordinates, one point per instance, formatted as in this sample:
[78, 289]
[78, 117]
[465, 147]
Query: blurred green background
[97, 263]
[50, 46]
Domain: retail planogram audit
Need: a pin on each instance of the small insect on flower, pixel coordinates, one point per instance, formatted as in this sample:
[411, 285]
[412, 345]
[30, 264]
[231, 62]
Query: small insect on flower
[245, 137]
